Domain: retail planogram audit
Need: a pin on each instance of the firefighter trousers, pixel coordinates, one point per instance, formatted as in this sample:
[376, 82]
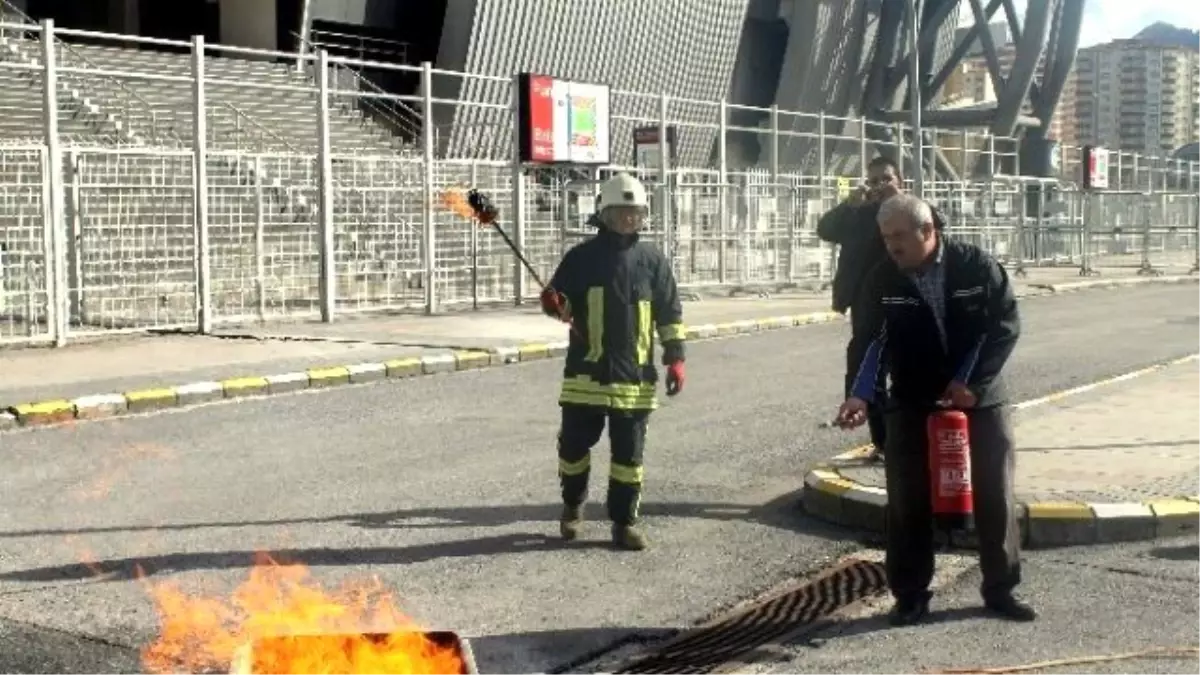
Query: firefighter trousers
[581, 429]
[909, 514]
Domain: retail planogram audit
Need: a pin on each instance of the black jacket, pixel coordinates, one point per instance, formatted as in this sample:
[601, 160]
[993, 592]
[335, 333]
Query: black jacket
[982, 328]
[619, 290]
[856, 231]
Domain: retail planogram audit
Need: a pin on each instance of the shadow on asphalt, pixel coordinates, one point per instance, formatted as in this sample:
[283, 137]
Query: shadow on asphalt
[516, 652]
[875, 623]
[783, 512]
[1189, 553]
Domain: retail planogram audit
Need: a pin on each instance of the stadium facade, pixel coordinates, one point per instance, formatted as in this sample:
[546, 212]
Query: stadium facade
[839, 57]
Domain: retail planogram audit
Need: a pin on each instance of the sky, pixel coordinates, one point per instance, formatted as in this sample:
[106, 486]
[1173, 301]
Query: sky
[1105, 20]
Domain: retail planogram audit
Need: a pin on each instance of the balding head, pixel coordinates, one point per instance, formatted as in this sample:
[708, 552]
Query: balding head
[907, 226]
[912, 209]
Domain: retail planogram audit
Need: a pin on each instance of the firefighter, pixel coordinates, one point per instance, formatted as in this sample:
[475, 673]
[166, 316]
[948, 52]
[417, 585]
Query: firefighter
[615, 291]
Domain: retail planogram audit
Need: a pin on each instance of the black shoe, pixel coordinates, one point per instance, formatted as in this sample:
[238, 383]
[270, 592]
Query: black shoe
[907, 613]
[1008, 607]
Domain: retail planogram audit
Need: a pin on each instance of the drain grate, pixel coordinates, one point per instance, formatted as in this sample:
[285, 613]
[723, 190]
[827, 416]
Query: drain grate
[708, 648]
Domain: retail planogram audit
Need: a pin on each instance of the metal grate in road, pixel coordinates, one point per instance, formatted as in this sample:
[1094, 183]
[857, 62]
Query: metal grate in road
[708, 648]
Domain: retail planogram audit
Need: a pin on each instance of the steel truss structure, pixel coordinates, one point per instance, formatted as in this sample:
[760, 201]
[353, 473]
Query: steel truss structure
[1027, 92]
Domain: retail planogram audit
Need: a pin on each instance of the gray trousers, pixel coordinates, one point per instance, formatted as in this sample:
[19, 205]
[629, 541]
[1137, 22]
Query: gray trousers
[910, 541]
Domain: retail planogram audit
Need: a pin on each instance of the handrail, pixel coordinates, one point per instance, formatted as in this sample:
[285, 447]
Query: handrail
[241, 114]
[237, 114]
[358, 43]
[389, 116]
[66, 50]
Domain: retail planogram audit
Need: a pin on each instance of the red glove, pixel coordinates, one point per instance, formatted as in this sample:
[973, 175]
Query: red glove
[555, 304]
[675, 378]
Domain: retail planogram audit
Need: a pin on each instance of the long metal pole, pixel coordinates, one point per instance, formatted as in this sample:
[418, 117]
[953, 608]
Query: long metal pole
[914, 88]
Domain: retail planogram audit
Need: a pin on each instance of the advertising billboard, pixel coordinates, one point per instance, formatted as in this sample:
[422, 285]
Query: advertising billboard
[563, 122]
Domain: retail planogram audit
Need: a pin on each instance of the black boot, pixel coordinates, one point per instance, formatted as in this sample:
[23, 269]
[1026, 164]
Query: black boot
[908, 612]
[570, 521]
[1008, 607]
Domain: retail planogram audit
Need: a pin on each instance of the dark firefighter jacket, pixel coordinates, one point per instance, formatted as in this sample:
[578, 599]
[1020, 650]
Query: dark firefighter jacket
[619, 290]
[855, 230]
[981, 321]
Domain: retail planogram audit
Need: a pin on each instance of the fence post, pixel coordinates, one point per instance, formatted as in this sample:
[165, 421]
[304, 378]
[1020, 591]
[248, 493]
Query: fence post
[518, 194]
[429, 233]
[328, 273]
[744, 245]
[775, 190]
[75, 288]
[260, 243]
[723, 187]
[664, 179]
[53, 244]
[862, 149]
[200, 190]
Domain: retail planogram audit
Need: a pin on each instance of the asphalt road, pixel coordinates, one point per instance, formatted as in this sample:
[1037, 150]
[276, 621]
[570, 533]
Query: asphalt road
[1094, 602]
[445, 488]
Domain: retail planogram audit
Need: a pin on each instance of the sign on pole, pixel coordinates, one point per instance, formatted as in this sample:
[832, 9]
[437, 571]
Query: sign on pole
[563, 122]
[1095, 168]
[647, 149]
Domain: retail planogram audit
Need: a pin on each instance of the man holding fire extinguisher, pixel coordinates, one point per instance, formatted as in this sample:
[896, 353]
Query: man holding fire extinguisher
[945, 322]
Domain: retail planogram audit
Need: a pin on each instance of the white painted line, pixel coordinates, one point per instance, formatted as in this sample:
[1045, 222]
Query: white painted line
[1121, 510]
[867, 494]
[287, 378]
[361, 368]
[1102, 383]
[99, 401]
[198, 388]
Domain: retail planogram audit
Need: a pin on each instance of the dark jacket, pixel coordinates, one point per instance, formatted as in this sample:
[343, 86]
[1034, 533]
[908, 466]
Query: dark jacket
[619, 290]
[856, 231]
[982, 327]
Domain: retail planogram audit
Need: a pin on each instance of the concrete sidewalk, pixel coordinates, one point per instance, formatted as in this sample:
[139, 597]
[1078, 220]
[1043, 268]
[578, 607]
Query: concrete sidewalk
[1112, 461]
[135, 373]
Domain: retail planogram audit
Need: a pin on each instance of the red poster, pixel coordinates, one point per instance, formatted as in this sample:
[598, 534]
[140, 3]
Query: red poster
[541, 118]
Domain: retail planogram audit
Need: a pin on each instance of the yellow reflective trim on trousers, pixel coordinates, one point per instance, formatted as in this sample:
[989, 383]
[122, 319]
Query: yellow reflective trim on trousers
[575, 468]
[623, 473]
[595, 323]
[672, 331]
[583, 390]
[644, 332]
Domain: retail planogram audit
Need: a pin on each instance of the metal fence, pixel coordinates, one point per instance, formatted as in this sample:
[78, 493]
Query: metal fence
[293, 205]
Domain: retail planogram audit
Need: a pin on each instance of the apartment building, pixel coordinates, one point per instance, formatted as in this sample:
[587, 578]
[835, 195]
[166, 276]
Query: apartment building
[1138, 96]
[976, 83]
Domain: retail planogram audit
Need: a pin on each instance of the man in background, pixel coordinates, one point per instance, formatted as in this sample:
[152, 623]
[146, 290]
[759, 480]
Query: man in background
[852, 226]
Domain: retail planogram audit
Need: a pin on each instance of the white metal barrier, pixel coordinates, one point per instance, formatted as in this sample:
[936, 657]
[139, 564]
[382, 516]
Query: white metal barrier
[201, 200]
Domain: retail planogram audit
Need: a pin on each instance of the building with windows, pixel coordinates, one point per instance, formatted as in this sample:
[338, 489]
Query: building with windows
[976, 84]
[1138, 96]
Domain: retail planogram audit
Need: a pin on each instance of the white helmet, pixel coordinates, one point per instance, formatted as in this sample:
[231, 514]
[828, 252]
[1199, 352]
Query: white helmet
[623, 190]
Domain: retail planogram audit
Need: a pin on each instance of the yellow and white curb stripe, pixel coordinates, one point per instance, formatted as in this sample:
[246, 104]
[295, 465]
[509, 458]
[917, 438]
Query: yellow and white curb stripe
[831, 496]
[107, 405]
[98, 406]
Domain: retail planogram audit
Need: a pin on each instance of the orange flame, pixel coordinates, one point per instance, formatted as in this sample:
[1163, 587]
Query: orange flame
[457, 202]
[280, 621]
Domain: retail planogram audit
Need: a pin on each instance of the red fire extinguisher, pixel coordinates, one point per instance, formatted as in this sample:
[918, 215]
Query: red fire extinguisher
[950, 469]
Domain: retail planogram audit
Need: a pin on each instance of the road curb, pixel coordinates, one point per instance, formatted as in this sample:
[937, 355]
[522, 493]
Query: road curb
[1072, 286]
[111, 404]
[831, 496]
[98, 406]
